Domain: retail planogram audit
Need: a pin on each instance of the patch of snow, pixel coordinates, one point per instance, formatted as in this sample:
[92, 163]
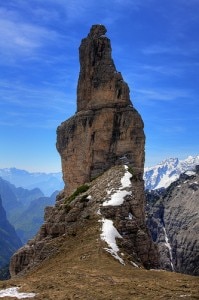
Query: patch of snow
[130, 216]
[110, 191]
[167, 244]
[118, 197]
[158, 270]
[166, 180]
[190, 173]
[109, 235]
[134, 264]
[13, 292]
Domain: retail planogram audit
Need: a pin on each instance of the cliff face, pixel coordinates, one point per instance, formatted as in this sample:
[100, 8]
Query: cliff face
[105, 137]
[106, 130]
[173, 221]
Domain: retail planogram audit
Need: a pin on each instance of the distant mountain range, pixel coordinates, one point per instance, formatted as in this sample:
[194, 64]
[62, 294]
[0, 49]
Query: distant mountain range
[24, 208]
[46, 182]
[9, 242]
[159, 176]
[168, 171]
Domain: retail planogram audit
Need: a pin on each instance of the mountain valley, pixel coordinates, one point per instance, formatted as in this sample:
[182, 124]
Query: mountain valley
[24, 208]
[9, 242]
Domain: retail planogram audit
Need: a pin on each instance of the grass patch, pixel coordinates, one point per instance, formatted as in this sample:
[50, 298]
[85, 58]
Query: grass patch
[81, 189]
[134, 173]
[130, 170]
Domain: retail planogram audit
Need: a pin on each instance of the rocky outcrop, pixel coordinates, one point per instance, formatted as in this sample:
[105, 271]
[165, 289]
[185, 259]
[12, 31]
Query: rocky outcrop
[99, 85]
[106, 130]
[173, 219]
[75, 212]
[104, 139]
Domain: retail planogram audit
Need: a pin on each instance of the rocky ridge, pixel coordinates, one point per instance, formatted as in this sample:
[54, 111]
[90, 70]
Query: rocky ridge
[104, 139]
[173, 221]
[70, 214]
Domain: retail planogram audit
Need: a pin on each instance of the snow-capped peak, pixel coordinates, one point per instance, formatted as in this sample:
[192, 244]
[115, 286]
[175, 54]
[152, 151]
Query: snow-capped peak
[169, 170]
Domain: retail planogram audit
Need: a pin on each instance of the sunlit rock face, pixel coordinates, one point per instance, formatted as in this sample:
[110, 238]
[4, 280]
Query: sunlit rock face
[106, 130]
[99, 82]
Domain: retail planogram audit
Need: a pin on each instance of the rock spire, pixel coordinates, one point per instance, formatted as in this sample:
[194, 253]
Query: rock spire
[106, 130]
[99, 85]
[105, 137]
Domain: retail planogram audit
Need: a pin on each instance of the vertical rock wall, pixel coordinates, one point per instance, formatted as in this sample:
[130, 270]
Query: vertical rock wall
[106, 130]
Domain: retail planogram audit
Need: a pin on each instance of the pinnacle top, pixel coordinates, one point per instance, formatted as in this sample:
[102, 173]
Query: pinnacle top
[99, 84]
[97, 31]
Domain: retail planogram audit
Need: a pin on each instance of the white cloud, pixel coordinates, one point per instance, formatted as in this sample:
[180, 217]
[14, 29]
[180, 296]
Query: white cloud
[170, 50]
[46, 105]
[21, 38]
[15, 35]
[173, 70]
[162, 95]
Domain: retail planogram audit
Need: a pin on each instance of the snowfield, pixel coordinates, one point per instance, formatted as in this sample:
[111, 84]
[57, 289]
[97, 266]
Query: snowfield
[109, 235]
[117, 198]
[168, 171]
[109, 232]
[13, 292]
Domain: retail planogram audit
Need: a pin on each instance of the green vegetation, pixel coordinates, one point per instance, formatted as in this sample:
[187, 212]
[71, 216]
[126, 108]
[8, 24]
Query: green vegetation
[97, 176]
[130, 170]
[81, 189]
[135, 174]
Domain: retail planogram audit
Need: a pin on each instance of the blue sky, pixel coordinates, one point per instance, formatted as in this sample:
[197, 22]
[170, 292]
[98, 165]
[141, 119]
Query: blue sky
[155, 46]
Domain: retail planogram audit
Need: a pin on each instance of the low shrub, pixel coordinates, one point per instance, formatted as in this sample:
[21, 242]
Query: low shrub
[81, 189]
[130, 170]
